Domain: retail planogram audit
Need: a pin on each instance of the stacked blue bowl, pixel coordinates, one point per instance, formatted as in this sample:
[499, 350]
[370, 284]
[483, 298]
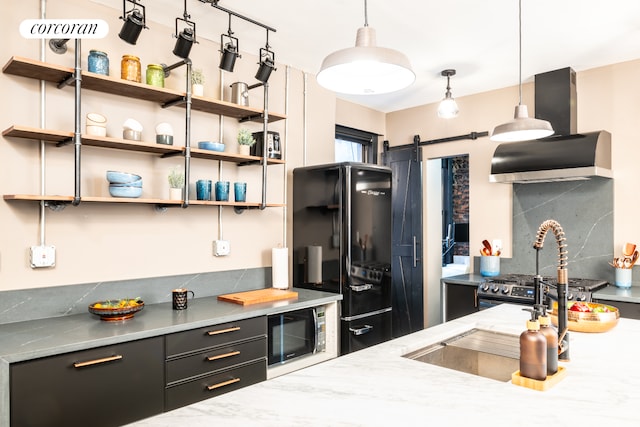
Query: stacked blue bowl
[124, 184]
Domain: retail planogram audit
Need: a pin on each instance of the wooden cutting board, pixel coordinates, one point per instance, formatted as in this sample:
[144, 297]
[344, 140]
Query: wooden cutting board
[258, 296]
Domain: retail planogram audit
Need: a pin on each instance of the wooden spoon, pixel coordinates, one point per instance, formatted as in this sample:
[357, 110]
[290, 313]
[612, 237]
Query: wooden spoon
[634, 258]
[487, 246]
[628, 249]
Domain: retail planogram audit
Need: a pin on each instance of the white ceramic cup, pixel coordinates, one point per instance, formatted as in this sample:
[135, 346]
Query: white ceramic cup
[490, 266]
[623, 277]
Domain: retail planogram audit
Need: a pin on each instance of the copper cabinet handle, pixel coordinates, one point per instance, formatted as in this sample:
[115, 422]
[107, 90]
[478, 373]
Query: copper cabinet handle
[222, 384]
[97, 361]
[222, 356]
[475, 298]
[224, 331]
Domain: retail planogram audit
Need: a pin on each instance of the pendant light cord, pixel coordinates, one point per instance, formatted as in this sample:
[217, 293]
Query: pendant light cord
[519, 52]
[366, 19]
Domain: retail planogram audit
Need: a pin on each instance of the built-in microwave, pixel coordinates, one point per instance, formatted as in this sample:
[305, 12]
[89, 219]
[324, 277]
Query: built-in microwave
[295, 334]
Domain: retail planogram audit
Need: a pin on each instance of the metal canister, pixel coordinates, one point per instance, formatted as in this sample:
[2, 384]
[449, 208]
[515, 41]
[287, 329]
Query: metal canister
[155, 75]
[98, 62]
[240, 93]
[130, 68]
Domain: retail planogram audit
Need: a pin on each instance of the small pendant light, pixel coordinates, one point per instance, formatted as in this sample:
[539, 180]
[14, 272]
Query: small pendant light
[448, 107]
[522, 127]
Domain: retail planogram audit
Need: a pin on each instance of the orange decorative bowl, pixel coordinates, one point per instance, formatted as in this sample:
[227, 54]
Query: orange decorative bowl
[596, 320]
[114, 310]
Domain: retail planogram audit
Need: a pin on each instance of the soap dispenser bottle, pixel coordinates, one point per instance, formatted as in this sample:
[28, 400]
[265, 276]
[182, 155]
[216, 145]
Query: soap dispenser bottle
[551, 334]
[533, 351]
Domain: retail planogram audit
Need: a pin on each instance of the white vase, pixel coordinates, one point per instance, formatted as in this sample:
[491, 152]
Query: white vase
[175, 193]
[244, 149]
[197, 89]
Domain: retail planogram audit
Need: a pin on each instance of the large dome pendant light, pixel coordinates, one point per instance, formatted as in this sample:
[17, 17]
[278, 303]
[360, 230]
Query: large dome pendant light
[522, 127]
[365, 69]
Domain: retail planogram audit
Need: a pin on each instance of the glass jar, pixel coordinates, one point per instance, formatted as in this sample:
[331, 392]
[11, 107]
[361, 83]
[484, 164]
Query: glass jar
[130, 68]
[155, 75]
[98, 62]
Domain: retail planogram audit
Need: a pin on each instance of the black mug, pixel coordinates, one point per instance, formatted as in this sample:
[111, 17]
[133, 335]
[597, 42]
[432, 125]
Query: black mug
[180, 298]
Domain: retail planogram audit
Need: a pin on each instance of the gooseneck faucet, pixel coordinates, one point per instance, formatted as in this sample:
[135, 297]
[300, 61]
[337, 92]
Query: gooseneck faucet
[563, 281]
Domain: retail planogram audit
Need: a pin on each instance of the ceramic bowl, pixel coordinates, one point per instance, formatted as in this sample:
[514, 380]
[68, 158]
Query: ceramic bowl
[132, 124]
[111, 311]
[210, 145]
[137, 183]
[133, 135]
[164, 139]
[115, 177]
[95, 119]
[125, 191]
[96, 130]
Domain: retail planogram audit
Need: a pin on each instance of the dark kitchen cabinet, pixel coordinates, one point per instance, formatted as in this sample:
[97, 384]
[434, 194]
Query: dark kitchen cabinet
[105, 386]
[458, 300]
[207, 362]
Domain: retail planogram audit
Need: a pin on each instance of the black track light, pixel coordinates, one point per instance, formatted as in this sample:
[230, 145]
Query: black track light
[184, 43]
[229, 52]
[267, 65]
[187, 37]
[134, 22]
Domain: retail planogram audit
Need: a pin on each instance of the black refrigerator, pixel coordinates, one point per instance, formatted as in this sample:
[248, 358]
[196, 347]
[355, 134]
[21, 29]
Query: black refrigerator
[342, 244]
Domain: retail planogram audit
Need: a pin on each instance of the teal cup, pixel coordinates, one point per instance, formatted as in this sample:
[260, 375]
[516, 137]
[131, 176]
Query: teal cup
[222, 191]
[203, 189]
[240, 191]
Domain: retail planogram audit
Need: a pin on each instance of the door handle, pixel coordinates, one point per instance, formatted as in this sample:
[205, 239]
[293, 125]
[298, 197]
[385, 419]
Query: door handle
[97, 361]
[223, 384]
[361, 288]
[361, 331]
[224, 331]
[415, 252]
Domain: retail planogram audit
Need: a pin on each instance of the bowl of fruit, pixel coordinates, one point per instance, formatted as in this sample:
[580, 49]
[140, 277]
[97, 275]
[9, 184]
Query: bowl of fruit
[117, 309]
[588, 316]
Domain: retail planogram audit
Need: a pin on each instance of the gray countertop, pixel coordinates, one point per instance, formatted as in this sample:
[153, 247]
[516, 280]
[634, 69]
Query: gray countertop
[39, 338]
[378, 387]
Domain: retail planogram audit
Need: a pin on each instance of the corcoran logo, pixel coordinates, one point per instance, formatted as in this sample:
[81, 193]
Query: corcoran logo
[64, 28]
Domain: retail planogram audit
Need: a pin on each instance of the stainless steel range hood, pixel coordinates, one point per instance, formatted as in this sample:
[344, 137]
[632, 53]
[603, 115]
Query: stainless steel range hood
[561, 158]
[566, 156]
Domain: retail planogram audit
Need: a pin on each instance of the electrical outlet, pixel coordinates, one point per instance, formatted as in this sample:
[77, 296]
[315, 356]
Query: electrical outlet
[42, 256]
[221, 247]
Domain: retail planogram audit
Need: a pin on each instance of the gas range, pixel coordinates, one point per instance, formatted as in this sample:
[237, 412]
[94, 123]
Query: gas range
[519, 289]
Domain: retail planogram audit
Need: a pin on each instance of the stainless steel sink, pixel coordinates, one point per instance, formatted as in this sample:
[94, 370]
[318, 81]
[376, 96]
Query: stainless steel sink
[479, 352]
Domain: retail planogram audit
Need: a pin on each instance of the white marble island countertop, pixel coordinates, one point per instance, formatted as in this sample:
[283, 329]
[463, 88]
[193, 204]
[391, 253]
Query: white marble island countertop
[378, 387]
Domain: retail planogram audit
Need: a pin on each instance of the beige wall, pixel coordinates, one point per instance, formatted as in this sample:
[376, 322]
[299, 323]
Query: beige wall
[102, 242]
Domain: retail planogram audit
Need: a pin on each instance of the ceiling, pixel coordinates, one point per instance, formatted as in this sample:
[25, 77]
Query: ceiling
[479, 39]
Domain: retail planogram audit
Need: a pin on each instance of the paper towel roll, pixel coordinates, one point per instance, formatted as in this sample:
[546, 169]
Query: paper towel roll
[280, 268]
[314, 265]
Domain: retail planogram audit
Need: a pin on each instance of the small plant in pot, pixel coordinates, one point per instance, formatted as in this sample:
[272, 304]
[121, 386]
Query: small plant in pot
[176, 183]
[245, 140]
[197, 82]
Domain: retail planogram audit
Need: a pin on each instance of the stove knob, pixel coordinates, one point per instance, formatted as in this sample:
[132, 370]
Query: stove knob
[569, 296]
[484, 287]
[581, 297]
[505, 289]
[495, 289]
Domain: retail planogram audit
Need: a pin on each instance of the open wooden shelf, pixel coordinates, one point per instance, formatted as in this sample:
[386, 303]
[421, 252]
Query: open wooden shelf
[57, 74]
[61, 137]
[140, 201]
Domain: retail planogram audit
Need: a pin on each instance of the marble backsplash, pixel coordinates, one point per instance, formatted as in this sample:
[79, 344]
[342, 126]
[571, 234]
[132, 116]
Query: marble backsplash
[584, 209]
[40, 303]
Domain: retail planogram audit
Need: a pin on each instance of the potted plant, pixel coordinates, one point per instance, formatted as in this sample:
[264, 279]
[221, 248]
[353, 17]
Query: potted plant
[245, 141]
[176, 183]
[197, 82]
